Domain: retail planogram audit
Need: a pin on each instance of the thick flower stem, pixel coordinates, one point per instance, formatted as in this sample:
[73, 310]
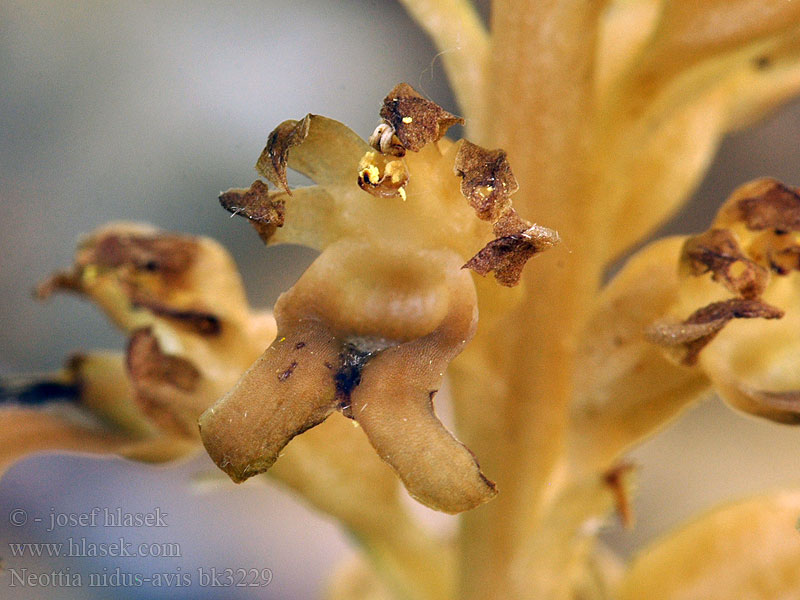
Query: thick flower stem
[540, 90]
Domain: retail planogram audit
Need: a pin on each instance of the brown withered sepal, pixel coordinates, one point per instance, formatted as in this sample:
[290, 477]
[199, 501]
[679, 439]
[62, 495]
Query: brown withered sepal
[487, 183]
[263, 210]
[486, 180]
[272, 162]
[415, 120]
[702, 326]
[164, 385]
[506, 256]
[764, 204]
[717, 251]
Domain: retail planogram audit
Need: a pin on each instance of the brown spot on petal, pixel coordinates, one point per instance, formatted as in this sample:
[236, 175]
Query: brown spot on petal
[272, 162]
[780, 251]
[263, 210]
[352, 359]
[507, 255]
[164, 383]
[288, 372]
[764, 204]
[416, 121]
[486, 180]
[718, 252]
[704, 324]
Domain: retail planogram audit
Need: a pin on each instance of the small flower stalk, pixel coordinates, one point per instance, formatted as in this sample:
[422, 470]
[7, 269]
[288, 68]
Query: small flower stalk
[593, 120]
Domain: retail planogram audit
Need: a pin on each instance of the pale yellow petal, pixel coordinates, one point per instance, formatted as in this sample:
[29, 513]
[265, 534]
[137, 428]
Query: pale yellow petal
[750, 550]
[286, 391]
[665, 160]
[322, 149]
[317, 217]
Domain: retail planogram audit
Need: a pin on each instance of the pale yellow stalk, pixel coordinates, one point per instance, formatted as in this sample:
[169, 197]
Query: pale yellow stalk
[463, 44]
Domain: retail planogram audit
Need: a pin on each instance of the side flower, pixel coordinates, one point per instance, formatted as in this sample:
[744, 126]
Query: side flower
[190, 334]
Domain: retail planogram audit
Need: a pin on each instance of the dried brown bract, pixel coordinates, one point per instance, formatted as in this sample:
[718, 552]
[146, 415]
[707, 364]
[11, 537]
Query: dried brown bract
[415, 120]
[618, 480]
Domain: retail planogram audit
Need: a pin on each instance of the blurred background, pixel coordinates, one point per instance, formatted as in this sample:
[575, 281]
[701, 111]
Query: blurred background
[146, 111]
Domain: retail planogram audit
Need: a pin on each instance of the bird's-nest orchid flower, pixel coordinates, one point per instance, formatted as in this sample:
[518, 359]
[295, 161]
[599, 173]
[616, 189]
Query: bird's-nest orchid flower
[371, 326]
